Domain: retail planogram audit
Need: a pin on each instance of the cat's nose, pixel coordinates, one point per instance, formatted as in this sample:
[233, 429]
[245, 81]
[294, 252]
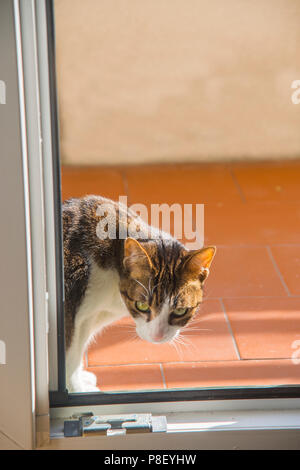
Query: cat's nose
[158, 336]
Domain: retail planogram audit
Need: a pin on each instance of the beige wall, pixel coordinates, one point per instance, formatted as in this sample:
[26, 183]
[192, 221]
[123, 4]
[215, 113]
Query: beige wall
[172, 80]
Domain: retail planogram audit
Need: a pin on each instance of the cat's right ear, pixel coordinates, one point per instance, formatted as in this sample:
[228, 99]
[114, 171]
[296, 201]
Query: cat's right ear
[136, 260]
[197, 263]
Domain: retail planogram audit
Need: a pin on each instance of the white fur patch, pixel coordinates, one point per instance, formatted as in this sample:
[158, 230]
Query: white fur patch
[102, 304]
[157, 330]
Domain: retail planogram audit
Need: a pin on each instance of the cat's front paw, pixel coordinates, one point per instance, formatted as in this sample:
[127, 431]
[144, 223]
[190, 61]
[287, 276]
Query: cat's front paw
[89, 381]
[82, 382]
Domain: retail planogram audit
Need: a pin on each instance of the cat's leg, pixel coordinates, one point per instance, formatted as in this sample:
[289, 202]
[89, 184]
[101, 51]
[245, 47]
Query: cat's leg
[79, 380]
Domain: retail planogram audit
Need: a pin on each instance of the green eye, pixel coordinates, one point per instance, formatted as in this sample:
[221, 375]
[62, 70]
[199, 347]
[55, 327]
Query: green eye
[142, 306]
[180, 311]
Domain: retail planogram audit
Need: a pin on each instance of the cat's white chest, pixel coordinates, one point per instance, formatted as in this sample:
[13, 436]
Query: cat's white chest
[103, 294]
[102, 305]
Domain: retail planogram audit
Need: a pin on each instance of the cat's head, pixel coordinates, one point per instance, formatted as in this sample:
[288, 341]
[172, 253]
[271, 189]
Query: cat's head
[161, 285]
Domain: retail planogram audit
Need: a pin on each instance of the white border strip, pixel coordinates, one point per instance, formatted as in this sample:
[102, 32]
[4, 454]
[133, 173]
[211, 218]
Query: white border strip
[26, 194]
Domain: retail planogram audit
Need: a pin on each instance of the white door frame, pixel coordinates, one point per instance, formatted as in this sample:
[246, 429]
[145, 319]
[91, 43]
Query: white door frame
[28, 281]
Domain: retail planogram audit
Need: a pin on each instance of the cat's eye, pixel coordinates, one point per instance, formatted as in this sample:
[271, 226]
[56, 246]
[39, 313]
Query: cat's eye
[142, 306]
[180, 311]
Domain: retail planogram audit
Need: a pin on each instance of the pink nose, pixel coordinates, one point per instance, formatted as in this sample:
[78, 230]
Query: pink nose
[158, 336]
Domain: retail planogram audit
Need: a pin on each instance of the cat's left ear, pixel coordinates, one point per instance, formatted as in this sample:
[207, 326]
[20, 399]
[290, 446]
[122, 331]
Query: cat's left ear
[197, 263]
[136, 259]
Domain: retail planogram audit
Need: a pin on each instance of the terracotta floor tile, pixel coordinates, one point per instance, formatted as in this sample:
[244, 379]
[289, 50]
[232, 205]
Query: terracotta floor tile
[227, 220]
[265, 327]
[247, 207]
[251, 223]
[288, 262]
[243, 271]
[273, 181]
[207, 338]
[102, 181]
[129, 377]
[239, 224]
[186, 184]
[231, 373]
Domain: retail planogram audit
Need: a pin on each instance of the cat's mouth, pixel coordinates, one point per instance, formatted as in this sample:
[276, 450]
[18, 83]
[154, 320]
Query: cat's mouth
[156, 337]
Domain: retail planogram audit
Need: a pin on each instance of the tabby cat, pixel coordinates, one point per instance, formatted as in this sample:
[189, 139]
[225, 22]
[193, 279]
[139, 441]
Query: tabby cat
[155, 280]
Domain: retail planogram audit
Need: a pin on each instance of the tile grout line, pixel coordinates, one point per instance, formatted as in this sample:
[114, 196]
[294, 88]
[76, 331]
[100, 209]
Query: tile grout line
[163, 375]
[243, 360]
[139, 364]
[277, 270]
[230, 330]
[237, 185]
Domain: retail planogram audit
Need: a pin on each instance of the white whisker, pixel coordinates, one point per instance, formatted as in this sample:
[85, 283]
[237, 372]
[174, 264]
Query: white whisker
[190, 344]
[176, 346]
[142, 285]
[154, 287]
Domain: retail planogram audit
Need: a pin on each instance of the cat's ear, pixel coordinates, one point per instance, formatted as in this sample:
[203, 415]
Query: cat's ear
[197, 263]
[136, 259]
